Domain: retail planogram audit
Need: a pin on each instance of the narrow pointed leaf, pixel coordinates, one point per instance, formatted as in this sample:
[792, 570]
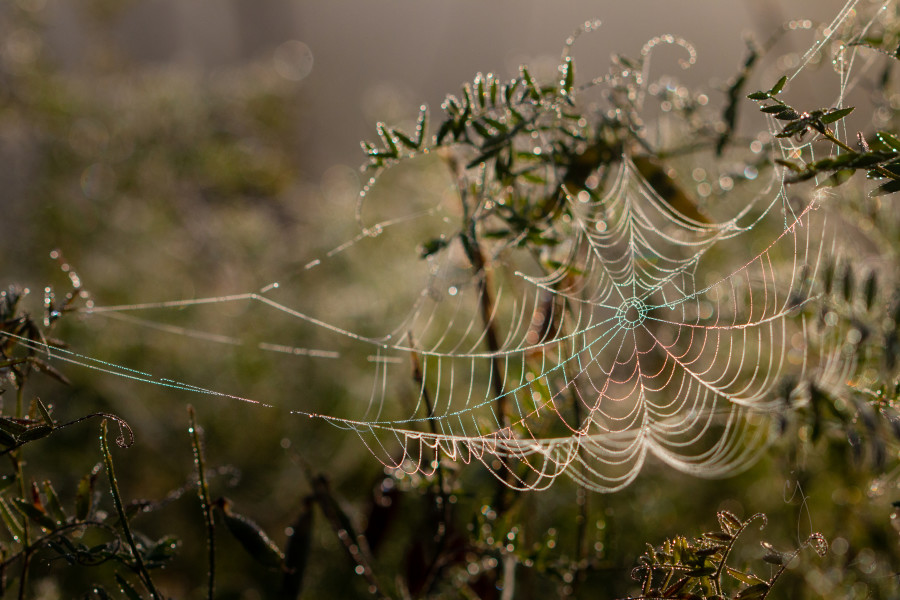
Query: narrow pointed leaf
[789, 114]
[252, 537]
[889, 140]
[84, 495]
[888, 188]
[35, 433]
[779, 85]
[754, 592]
[385, 134]
[404, 139]
[676, 587]
[480, 94]
[837, 115]
[421, 127]
[12, 522]
[54, 506]
[837, 178]
[34, 513]
[45, 413]
[533, 91]
[12, 426]
[568, 76]
[728, 522]
[717, 536]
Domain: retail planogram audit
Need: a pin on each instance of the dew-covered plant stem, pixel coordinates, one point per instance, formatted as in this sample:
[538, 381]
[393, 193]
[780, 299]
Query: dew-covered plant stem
[123, 518]
[205, 503]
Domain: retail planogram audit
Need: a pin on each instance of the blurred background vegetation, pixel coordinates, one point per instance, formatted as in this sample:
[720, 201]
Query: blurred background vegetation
[170, 150]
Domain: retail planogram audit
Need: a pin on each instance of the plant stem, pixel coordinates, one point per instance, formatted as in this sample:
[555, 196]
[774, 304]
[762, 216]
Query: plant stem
[834, 140]
[123, 518]
[205, 504]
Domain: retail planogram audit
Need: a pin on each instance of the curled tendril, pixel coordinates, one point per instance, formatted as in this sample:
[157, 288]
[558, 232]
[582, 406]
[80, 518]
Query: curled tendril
[126, 435]
[763, 518]
[818, 543]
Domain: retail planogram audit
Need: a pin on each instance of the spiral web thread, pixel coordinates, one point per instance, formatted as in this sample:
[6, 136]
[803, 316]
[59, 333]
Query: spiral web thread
[656, 335]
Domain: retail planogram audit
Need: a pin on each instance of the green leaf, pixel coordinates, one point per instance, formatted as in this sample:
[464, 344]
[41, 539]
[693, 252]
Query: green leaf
[385, 134]
[35, 433]
[790, 165]
[6, 439]
[13, 427]
[421, 127]
[482, 129]
[34, 513]
[717, 536]
[779, 85]
[533, 91]
[789, 114]
[837, 115]
[889, 140]
[568, 76]
[888, 188]
[868, 159]
[45, 413]
[54, 506]
[676, 587]
[837, 178]
[251, 537]
[728, 521]
[774, 108]
[15, 527]
[404, 139]
[84, 495]
[445, 128]
[754, 592]
[748, 578]
[480, 94]
[758, 96]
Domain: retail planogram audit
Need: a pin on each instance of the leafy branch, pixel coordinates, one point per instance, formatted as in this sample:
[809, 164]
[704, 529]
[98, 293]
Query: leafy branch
[696, 569]
[881, 163]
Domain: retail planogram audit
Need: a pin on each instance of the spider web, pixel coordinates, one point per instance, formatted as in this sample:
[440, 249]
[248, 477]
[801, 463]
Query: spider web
[654, 334]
